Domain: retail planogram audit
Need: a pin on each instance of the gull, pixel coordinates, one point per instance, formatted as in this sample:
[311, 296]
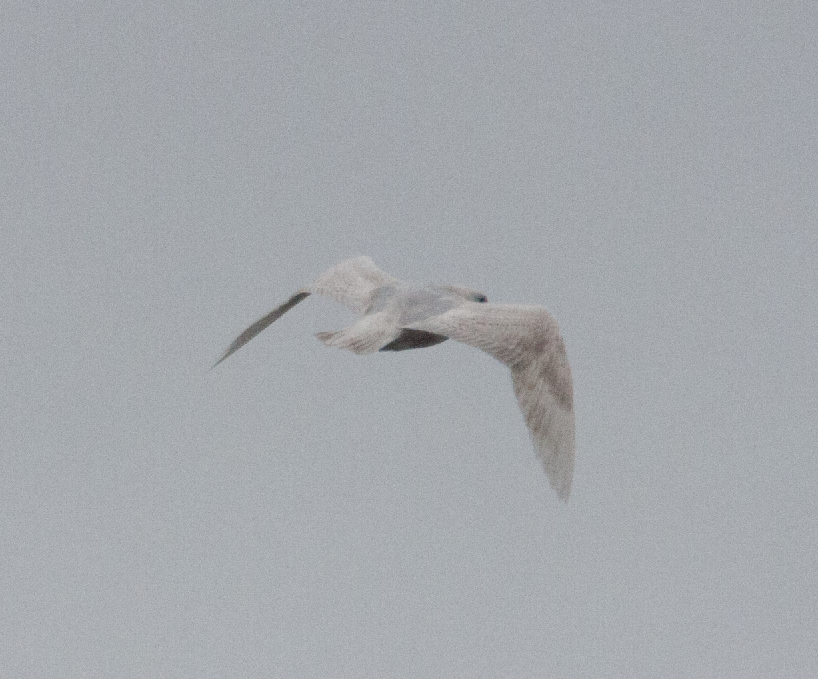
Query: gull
[395, 316]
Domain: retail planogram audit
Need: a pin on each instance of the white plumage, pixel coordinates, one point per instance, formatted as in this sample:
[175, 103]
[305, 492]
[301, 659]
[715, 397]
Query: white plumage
[394, 316]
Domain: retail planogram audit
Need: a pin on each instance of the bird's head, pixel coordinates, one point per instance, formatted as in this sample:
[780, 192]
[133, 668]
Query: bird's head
[467, 294]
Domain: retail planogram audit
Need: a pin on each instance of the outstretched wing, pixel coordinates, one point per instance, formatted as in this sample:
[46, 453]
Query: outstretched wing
[262, 324]
[352, 283]
[528, 341]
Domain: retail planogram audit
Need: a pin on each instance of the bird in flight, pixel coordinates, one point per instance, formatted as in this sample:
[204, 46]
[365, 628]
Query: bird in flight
[394, 316]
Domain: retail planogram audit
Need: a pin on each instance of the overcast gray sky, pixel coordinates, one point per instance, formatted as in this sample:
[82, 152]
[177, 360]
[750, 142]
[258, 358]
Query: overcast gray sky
[171, 171]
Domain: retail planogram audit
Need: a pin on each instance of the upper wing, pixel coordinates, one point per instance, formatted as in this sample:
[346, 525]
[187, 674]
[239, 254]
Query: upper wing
[527, 340]
[352, 283]
[262, 323]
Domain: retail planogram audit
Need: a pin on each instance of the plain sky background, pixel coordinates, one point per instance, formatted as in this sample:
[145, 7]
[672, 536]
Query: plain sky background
[170, 171]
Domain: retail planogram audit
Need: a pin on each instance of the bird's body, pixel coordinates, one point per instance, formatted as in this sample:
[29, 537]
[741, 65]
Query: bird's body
[395, 316]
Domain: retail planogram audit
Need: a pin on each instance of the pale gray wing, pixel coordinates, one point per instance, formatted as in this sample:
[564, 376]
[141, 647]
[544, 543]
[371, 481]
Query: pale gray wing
[352, 283]
[262, 324]
[528, 341]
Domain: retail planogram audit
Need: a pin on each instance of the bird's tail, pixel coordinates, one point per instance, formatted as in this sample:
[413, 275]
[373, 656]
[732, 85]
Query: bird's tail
[366, 336]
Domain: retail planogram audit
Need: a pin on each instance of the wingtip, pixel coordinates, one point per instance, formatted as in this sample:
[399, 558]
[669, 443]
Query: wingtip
[217, 362]
[559, 471]
[229, 352]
